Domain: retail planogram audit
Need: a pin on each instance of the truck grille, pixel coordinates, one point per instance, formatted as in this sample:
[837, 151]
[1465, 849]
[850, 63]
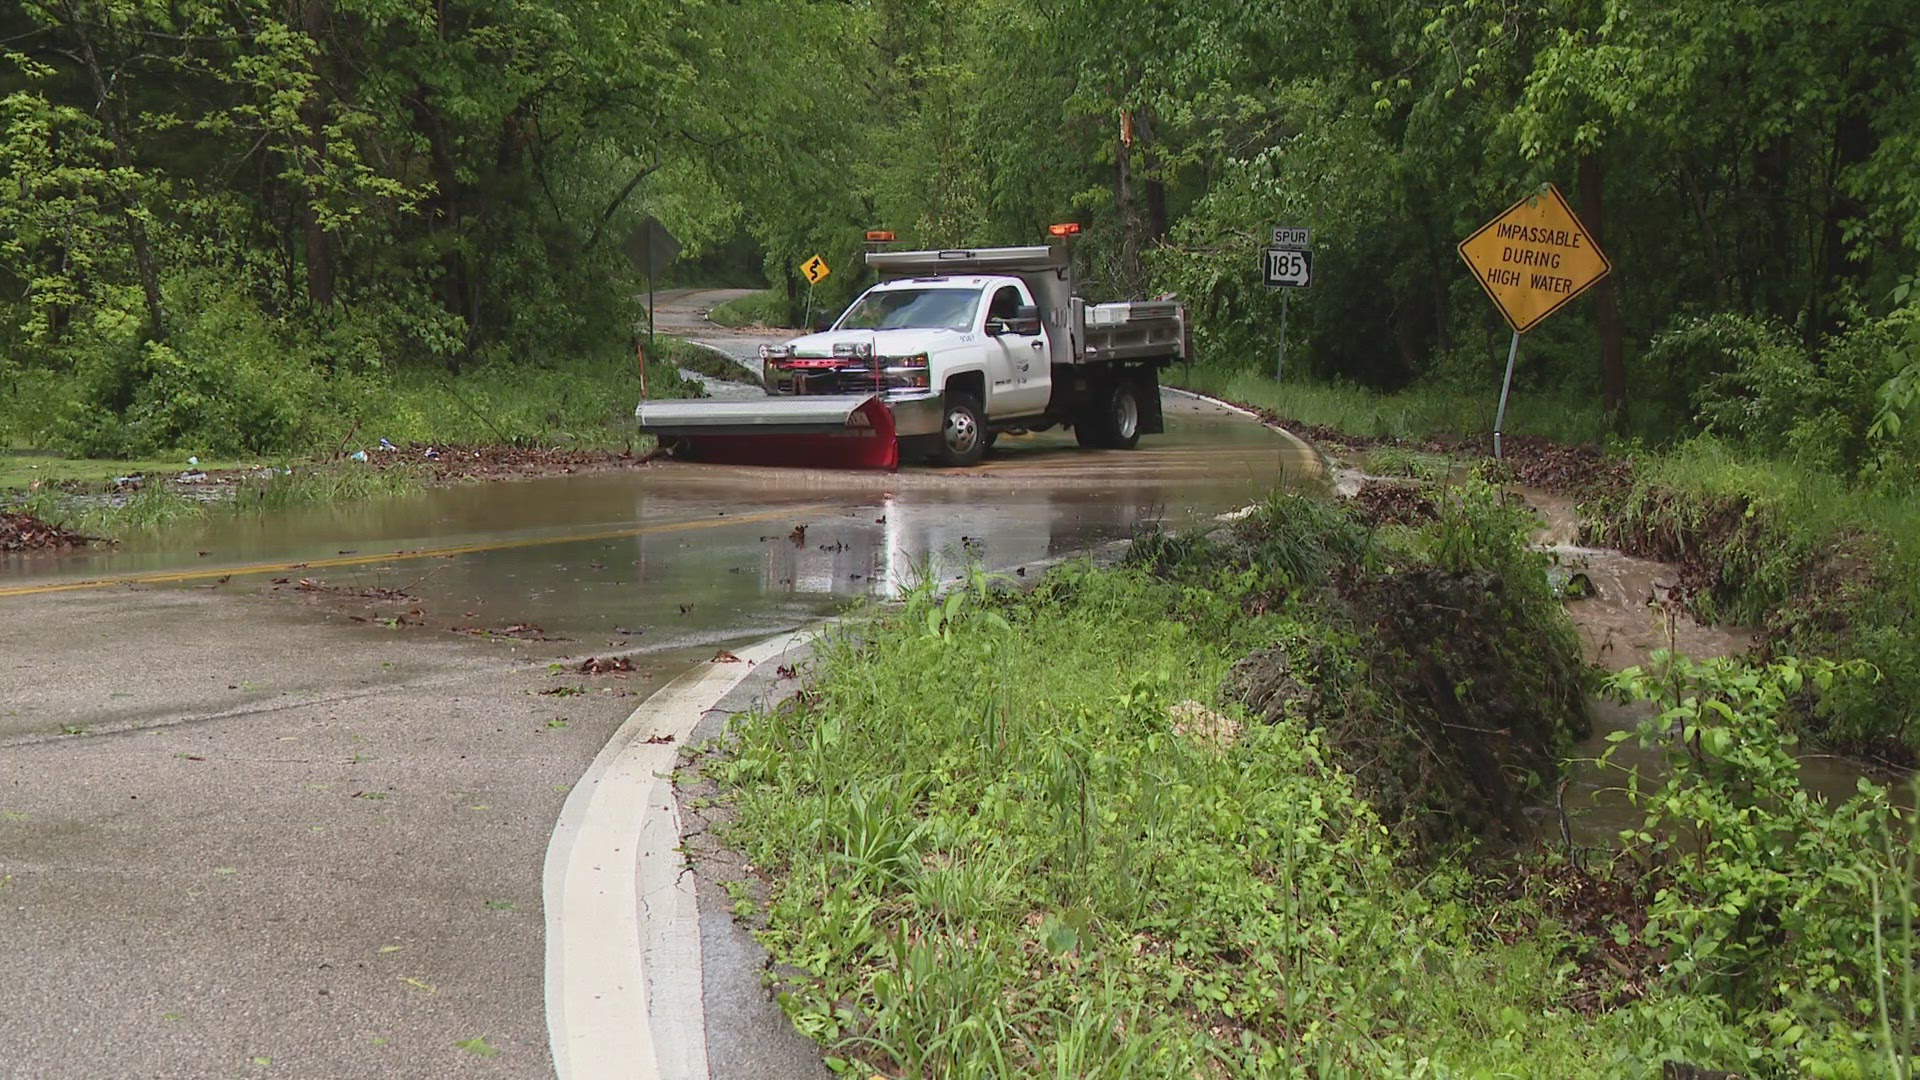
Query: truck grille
[819, 380]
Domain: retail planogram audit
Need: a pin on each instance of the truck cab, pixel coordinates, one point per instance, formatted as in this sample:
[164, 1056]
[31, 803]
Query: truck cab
[976, 336]
[965, 344]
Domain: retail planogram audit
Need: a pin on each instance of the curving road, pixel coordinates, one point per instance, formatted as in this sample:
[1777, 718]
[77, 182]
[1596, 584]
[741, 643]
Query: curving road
[280, 798]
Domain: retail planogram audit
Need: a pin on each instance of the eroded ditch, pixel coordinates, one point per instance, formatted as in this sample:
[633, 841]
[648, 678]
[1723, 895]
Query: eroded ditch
[1634, 611]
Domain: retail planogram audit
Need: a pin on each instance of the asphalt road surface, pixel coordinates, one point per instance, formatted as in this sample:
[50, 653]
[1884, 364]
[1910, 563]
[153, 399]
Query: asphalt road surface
[275, 799]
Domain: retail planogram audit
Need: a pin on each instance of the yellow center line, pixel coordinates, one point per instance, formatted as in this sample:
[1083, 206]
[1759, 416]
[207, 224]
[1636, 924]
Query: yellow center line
[207, 573]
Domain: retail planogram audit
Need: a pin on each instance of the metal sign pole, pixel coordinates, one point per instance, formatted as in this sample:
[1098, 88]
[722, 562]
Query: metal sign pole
[1280, 365]
[1500, 417]
[808, 324]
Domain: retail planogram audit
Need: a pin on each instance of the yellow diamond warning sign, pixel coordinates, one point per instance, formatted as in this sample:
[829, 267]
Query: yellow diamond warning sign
[1534, 258]
[815, 269]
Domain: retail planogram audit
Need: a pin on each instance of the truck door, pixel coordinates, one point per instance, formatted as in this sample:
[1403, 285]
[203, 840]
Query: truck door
[1019, 370]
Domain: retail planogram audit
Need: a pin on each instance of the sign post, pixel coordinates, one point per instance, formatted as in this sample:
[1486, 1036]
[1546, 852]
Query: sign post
[1532, 260]
[651, 248]
[1288, 265]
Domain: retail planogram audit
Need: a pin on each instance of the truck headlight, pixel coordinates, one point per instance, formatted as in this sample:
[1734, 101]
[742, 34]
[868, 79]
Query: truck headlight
[776, 352]
[908, 371]
[858, 350]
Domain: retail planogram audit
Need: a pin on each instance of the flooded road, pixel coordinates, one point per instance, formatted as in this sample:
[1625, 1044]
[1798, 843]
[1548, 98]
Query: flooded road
[678, 556]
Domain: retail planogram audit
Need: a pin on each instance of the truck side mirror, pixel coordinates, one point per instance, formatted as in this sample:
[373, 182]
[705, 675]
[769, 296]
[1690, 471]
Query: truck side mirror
[1025, 321]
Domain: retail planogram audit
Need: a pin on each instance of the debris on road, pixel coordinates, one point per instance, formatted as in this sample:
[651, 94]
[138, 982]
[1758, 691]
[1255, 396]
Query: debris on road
[518, 631]
[604, 665]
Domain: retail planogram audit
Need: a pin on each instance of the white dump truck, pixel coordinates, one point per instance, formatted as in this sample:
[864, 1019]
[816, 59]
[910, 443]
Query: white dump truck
[949, 350]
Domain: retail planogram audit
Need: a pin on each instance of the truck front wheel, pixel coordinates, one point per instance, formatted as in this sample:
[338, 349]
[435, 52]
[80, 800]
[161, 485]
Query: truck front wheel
[1111, 420]
[963, 436]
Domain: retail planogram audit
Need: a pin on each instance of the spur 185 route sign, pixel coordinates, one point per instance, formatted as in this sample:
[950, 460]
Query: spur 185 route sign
[1286, 268]
[1534, 258]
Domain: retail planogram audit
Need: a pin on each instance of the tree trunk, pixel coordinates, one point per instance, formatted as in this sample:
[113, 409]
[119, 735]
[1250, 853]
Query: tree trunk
[1157, 219]
[1854, 141]
[1606, 307]
[1128, 207]
[458, 293]
[123, 160]
[311, 15]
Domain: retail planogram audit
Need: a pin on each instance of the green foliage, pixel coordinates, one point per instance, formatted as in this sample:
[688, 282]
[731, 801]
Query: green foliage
[1763, 893]
[1414, 413]
[1759, 388]
[1009, 837]
[761, 308]
[382, 186]
[1821, 570]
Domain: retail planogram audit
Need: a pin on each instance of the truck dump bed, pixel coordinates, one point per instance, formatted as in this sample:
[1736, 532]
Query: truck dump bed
[1131, 330]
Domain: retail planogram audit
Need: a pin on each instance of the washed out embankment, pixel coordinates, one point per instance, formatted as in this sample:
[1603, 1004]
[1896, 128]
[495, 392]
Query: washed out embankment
[1807, 582]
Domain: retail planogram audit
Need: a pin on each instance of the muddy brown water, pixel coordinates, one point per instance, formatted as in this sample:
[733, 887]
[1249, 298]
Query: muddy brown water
[1622, 625]
[675, 558]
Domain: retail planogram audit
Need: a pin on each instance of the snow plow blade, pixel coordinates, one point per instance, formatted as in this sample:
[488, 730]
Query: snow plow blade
[843, 431]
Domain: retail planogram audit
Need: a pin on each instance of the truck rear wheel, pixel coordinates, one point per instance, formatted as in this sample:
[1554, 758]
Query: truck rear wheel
[1111, 421]
[963, 435]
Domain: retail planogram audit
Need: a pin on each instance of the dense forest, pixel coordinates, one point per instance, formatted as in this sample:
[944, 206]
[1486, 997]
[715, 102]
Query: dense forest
[220, 218]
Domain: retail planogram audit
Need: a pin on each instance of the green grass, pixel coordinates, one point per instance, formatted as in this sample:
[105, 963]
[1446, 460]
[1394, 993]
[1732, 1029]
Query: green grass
[1413, 464]
[322, 482]
[1410, 414]
[1827, 566]
[706, 361]
[994, 855]
[587, 401]
[155, 508]
[20, 471]
[761, 308]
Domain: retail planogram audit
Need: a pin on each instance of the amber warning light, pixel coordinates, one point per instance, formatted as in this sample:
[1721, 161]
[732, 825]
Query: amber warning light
[1071, 228]
[879, 236]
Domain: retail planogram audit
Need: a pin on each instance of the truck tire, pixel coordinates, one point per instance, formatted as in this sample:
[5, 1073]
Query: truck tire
[963, 435]
[1111, 420]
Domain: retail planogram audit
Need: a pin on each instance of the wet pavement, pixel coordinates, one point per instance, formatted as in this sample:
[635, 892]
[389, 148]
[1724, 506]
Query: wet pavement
[681, 555]
[251, 828]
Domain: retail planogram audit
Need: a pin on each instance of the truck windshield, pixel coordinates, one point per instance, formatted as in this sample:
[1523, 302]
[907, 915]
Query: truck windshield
[917, 309]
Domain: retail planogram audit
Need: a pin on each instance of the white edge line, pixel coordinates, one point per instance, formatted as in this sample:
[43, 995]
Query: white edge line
[595, 883]
[1227, 405]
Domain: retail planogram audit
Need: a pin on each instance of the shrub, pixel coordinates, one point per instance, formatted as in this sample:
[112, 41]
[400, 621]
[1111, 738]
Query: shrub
[1759, 388]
